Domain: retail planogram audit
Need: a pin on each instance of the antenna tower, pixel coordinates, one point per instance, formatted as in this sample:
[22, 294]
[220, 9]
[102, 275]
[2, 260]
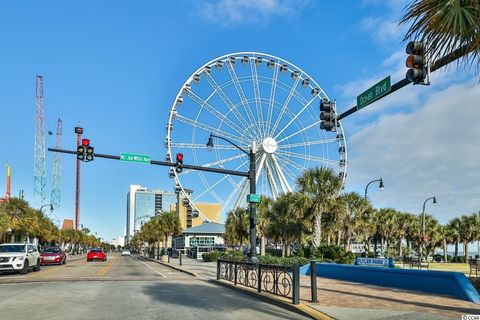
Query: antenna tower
[56, 195]
[40, 169]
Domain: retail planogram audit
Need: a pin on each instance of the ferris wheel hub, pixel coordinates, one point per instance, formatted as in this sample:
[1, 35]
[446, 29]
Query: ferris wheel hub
[269, 145]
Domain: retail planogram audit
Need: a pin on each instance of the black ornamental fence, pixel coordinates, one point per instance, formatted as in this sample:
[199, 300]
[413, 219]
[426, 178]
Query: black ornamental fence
[276, 279]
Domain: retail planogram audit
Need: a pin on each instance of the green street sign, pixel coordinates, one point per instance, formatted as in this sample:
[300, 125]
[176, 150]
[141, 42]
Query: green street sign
[135, 157]
[253, 197]
[374, 93]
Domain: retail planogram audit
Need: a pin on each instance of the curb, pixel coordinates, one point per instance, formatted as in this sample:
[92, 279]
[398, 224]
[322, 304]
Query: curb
[303, 309]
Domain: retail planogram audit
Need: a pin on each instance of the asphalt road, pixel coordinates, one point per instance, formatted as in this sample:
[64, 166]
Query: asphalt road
[124, 288]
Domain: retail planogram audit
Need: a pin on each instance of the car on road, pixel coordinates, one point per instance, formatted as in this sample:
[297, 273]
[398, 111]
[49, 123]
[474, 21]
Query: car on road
[53, 255]
[125, 252]
[96, 254]
[19, 257]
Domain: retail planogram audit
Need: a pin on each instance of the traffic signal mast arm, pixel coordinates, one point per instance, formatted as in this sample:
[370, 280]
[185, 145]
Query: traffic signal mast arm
[162, 163]
[440, 63]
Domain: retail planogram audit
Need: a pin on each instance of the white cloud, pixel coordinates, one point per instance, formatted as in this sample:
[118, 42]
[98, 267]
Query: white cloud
[430, 151]
[234, 12]
[381, 29]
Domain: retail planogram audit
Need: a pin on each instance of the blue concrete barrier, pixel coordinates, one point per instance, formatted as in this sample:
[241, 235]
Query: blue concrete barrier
[446, 283]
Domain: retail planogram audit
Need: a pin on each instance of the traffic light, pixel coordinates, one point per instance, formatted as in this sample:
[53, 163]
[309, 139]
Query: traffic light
[417, 63]
[85, 151]
[179, 163]
[327, 115]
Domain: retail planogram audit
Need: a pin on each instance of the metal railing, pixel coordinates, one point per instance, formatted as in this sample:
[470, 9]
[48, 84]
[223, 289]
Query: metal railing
[279, 280]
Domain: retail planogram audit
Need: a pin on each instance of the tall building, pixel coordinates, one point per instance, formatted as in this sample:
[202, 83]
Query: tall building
[142, 204]
[189, 217]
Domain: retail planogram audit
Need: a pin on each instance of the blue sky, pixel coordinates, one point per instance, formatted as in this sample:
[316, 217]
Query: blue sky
[116, 66]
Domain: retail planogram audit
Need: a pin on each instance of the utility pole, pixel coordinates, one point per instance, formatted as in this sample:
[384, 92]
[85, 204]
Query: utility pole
[78, 131]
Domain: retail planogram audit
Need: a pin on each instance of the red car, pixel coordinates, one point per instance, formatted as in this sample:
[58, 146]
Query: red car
[98, 254]
[53, 255]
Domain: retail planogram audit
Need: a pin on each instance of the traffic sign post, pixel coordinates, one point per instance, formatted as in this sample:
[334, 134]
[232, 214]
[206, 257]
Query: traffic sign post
[135, 157]
[253, 198]
[373, 93]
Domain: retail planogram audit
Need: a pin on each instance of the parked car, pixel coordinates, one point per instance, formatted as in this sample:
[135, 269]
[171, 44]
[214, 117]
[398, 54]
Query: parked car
[125, 252]
[53, 255]
[96, 254]
[19, 257]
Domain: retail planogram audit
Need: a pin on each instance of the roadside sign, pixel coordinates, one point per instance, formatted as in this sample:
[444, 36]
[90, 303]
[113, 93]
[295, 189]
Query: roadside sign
[373, 93]
[255, 198]
[357, 247]
[135, 157]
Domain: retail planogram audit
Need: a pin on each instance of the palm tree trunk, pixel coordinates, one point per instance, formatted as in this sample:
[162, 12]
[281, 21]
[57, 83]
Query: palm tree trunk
[445, 255]
[317, 230]
[287, 250]
[284, 249]
[328, 239]
[456, 250]
[382, 241]
[466, 250]
[339, 233]
[262, 245]
[400, 249]
[158, 250]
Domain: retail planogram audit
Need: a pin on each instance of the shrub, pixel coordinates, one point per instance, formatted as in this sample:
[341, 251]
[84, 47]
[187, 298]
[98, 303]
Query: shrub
[273, 252]
[333, 253]
[233, 255]
[211, 256]
[287, 261]
[460, 259]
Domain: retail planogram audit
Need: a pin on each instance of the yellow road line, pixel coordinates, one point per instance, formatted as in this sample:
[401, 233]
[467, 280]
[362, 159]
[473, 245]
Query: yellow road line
[105, 269]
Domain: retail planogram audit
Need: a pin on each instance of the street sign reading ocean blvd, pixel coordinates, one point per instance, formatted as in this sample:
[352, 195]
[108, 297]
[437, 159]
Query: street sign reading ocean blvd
[374, 93]
[135, 157]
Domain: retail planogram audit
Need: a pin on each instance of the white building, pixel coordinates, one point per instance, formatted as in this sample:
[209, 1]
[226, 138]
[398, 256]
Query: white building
[203, 238]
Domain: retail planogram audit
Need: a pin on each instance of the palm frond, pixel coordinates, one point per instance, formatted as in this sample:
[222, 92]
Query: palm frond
[445, 26]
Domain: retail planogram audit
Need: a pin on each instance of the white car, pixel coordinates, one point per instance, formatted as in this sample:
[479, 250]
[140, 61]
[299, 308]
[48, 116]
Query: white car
[125, 252]
[20, 257]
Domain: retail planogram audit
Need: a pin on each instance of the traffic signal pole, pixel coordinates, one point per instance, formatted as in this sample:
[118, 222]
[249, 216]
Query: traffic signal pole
[162, 163]
[440, 63]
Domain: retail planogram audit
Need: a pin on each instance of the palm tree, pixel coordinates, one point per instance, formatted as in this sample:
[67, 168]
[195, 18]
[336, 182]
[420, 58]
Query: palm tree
[170, 225]
[237, 226]
[321, 186]
[286, 221]
[401, 227]
[262, 224]
[385, 221]
[357, 218]
[447, 27]
[467, 232]
[454, 227]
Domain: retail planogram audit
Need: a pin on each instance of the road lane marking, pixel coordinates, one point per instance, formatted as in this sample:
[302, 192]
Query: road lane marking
[154, 270]
[105, 269]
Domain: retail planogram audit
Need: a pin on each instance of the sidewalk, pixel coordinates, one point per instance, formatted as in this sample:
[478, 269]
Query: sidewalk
[347, 300]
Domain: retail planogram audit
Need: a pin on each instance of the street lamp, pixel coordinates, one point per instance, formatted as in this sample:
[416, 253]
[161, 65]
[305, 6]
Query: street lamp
[253, 190]
[47, 205]
[380, 186]
[423, 222]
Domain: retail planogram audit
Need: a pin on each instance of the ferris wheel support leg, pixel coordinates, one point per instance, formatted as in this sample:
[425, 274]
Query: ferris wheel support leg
[253, 209]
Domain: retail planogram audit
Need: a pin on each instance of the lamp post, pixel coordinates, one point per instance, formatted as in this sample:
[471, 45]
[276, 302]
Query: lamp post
[253, 190]
[423, 223]
[380, 186]
[47, 205]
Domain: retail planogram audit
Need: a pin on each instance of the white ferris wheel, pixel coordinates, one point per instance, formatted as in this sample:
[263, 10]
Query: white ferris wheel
[249, 98]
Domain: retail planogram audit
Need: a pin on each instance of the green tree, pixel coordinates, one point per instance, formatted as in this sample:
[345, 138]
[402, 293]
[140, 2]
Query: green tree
[170, 225]
[262, 209]
[236, 226]
[446, 26]
[286, 221]
[320, 186]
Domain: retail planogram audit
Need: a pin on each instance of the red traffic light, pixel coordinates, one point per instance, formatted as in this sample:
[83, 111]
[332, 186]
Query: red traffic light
[179, 156]
[85, 142]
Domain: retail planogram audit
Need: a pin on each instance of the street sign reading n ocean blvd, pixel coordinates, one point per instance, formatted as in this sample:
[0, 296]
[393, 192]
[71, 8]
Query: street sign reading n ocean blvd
[374, 93]
[134, 157]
